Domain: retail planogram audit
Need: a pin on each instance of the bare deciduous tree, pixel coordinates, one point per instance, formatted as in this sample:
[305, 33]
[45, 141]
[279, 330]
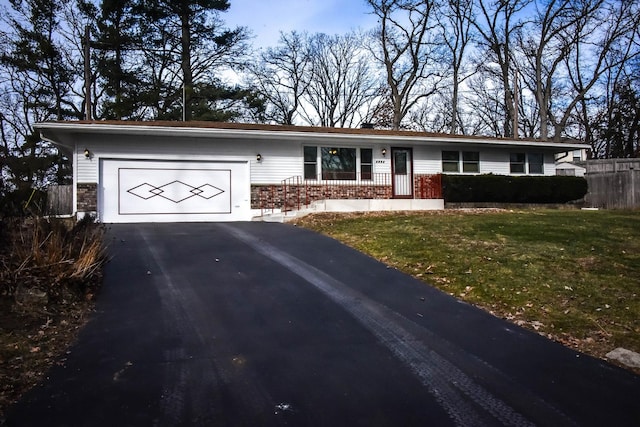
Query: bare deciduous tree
[546, 47]
[486, 104]
[604, 41]
[341, 80]
[410, 50]
[497, 22]
[456, 26]
[281, 77]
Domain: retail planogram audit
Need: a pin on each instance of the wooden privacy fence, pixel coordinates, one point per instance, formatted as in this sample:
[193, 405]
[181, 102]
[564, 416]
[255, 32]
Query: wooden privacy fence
[613, 183]
[59, 200]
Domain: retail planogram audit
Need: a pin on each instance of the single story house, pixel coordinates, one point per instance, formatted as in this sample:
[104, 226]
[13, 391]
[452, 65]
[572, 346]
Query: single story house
[196, 171]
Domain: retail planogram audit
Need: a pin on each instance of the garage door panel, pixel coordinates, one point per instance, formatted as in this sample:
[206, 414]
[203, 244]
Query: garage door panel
[174, 191]
[164, 191]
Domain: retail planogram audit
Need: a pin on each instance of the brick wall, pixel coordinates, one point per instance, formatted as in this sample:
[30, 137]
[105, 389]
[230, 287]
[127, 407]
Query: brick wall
[267, 196]
[87, 197]
[428, 186]
[273, 196]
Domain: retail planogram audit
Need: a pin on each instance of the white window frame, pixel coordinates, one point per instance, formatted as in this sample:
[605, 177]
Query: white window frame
[460, 162]
[526, 166]
[358, 177]
[541, 163]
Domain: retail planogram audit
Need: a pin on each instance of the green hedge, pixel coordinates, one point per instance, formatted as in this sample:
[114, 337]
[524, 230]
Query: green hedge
[513, 189]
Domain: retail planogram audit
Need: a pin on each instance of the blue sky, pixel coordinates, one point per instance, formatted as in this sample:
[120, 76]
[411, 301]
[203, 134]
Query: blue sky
[266, 18]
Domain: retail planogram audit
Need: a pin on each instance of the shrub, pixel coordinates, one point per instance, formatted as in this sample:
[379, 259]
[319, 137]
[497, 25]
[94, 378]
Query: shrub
[51, 257]
[513, 189]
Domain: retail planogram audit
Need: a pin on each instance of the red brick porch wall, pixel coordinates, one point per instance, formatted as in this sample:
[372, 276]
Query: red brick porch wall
[298, 195]
[273, 196]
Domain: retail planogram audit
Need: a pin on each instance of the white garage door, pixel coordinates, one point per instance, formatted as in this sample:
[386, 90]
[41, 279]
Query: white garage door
[167, 191]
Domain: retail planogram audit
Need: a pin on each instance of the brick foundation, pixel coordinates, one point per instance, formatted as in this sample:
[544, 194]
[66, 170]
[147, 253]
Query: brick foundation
[87, 197]
[275, 196]
[298, 193]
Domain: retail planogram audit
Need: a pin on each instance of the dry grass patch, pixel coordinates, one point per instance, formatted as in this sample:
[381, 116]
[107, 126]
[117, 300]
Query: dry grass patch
[49, 274]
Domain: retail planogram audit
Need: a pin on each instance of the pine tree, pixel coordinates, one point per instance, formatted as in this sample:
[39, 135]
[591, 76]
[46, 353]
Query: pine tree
[38, 86]
[116, 48]
[189, 44]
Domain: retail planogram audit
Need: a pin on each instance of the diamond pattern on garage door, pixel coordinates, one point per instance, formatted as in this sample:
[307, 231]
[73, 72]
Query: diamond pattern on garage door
[173, 191]
[176, 191]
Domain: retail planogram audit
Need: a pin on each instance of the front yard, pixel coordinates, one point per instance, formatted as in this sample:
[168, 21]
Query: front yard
[573, 276]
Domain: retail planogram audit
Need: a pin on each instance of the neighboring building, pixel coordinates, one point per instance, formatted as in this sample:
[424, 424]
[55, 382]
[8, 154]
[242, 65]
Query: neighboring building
[202, 171]
[570, 169]
[570, 163]
[572, 156]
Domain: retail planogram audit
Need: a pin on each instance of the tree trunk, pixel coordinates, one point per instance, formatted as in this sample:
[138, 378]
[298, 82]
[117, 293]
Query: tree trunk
[454, 102]
[187, 75]
[508, 99]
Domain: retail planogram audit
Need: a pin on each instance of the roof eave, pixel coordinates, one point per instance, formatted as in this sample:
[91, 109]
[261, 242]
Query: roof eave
[60, 132]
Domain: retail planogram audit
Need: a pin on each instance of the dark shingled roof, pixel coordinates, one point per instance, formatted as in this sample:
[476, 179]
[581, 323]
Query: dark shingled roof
[290, 128]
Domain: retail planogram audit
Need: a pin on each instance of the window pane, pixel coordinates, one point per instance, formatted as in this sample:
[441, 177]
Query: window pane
[577, 155]
[310, 154]
[450, 156]
[470, 167]
[450, 167]
[366, 155]
[470, 156]
[517, 162]
[365, 172]
[310, 171]
[471, 161]
[310, 162]
[400, 162]
[536, 161]
[366, 160]
[517, 157]
[338, 163]
[450, 160]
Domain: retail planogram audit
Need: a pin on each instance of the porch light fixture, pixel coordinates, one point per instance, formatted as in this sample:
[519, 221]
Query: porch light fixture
[87, 153]
[258, 157]
[333, 151]
[384, 152]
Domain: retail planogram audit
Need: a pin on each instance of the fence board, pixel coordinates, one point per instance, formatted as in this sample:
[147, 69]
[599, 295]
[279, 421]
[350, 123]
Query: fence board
[613, 184]
[59, 200]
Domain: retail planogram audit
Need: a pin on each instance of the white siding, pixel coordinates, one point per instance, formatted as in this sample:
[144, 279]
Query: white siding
[427, 160]
[381, 164]
[549, 164]
[279, 161]
[495, 161]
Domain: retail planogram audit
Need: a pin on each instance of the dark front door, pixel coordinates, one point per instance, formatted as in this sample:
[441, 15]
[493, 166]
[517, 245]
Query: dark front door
[402, 171]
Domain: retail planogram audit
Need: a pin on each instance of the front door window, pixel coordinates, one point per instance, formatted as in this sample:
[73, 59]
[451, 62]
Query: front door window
[402, 172]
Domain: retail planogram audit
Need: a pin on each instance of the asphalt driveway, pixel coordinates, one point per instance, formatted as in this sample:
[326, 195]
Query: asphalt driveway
[256, 324]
